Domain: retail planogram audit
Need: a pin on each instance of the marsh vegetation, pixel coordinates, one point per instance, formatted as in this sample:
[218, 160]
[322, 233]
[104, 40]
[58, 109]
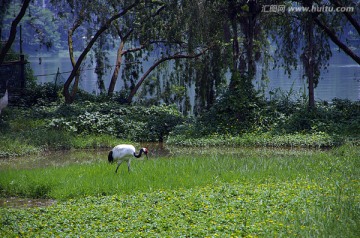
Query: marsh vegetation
[191, 192]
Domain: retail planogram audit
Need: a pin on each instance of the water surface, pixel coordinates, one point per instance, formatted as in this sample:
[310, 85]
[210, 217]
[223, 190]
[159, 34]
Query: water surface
[340, 80]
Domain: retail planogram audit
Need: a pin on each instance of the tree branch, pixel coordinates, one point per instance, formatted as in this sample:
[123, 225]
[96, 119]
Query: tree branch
[348, 16]
[337, 41]
[82, 56]
[12, 35]
[157, 63]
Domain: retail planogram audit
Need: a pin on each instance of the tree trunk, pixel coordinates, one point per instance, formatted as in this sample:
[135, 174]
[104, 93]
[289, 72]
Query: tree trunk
[310, 67]
[66, 90]
[250, 35]
[309, 60]
[176, 56]
[311, 92]
[69, 98]
[13, 31]
[117, 68]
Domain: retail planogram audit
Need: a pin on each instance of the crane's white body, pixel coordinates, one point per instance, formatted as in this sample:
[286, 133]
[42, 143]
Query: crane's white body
[4, 101]
[124, 152]
[121, 151]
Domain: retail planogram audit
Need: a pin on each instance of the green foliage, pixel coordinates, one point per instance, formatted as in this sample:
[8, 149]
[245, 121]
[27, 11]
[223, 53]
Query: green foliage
[314, 140]
[282, 121]
[38, 94]
[131, 123]
[234, 120]
[235, 111]
[15, 147]
[88, 124]
[244, 192]
[339, 117]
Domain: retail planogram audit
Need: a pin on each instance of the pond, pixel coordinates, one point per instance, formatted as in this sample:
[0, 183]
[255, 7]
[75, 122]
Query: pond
[156, 150]
[340, 80]
[68, 157]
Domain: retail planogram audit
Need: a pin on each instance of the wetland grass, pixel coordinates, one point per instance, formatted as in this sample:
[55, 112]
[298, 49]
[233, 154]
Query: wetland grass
[183, 171]
[241, 192]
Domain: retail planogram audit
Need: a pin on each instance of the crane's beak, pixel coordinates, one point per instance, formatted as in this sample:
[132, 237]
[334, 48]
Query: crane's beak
[146, 152]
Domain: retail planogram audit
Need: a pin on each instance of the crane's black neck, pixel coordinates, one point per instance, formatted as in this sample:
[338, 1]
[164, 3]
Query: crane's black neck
[140, 153]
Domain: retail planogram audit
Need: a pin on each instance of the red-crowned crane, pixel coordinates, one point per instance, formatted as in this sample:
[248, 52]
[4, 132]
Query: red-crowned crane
[4, 101]
[124, 153]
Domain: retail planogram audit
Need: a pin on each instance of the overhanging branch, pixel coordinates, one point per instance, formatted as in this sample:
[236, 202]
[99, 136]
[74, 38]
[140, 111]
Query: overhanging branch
[177, 55]
[337, 41]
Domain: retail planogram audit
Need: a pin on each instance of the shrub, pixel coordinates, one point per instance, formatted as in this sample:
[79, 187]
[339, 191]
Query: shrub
[235, 112]
[131, 123]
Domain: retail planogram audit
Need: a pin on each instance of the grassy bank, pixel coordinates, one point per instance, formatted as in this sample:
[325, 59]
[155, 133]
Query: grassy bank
[296, 140]
[200, 192]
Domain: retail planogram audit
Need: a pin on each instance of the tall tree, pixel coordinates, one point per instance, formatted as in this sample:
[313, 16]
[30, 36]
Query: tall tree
[308, 56]
[85, 15]
[297, 37]
[164, 32]
[101, 62]
[130, 29]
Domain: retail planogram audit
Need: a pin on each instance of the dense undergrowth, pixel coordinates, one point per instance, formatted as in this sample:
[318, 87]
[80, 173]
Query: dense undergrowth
[41, 121]
[82, 126]
[277, 123]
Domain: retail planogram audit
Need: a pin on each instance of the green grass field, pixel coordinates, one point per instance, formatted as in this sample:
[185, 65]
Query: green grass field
[206, 192]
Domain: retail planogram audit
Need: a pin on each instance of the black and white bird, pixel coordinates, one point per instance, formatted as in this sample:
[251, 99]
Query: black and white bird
[4, 101]
[123, 152]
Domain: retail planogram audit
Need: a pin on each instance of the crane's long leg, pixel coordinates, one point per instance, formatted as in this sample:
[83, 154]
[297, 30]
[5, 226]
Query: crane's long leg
[118, 166]
[128, 164]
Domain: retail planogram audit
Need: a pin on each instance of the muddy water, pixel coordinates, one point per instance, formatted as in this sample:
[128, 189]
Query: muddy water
[15, 202]
[52, 159]
[156, 150]
[65, 158]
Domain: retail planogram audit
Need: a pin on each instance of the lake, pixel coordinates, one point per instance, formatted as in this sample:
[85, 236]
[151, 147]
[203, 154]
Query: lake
[340, 80]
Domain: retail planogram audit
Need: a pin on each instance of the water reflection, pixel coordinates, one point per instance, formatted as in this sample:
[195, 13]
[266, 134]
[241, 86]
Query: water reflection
[156, 151]
[340, 80]
[65, 158]
[53, 159]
